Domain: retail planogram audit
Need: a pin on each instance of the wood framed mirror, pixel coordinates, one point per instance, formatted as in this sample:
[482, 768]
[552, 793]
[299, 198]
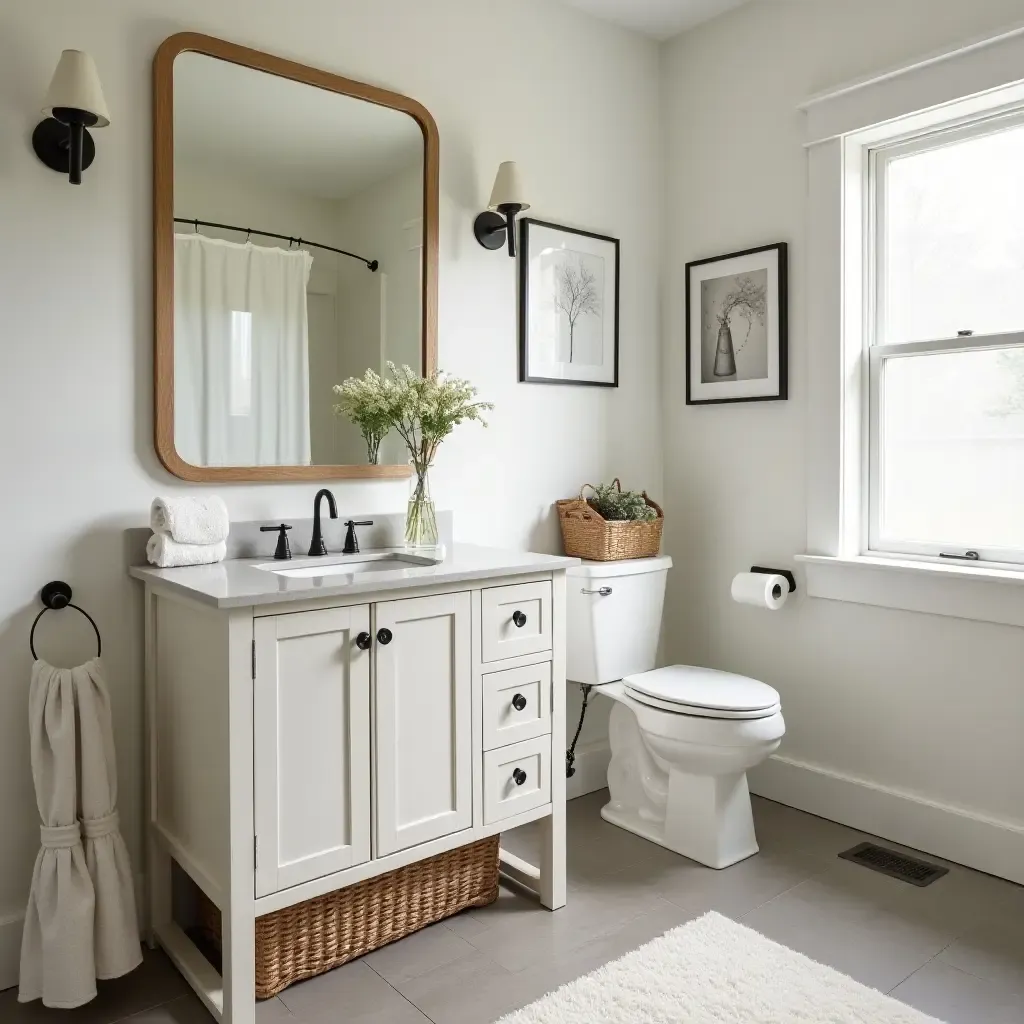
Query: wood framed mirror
[295, 218]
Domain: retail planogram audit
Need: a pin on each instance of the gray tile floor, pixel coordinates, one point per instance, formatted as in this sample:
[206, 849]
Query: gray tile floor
[954, 950]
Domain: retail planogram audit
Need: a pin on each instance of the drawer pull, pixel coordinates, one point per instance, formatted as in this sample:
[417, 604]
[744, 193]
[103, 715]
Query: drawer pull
[519, 702]
[519, 776]
[519, 618]
[384, 635]
[363, 641]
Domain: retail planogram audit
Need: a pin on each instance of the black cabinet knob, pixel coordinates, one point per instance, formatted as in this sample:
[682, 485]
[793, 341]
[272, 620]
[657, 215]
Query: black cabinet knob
[519, 702]
[519, 776]
[519, 618]
[384, 635]
[363, 641]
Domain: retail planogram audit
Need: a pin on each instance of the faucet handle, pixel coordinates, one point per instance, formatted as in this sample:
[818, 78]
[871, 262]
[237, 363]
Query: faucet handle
[284, 549]
[351, 540]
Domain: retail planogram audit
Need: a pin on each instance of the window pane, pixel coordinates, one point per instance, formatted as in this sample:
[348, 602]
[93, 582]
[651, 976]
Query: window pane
[952, 449]
[954, 224]
[241, 363]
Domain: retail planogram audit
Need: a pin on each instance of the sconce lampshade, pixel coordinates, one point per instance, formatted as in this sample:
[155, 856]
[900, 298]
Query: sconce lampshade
[76, 86]
[508, 188]
[74, 103]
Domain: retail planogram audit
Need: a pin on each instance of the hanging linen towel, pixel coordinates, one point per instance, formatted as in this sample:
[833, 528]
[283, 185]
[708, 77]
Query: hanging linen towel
[190, 520]
[57, 958]
[116, 932]
[69, 940]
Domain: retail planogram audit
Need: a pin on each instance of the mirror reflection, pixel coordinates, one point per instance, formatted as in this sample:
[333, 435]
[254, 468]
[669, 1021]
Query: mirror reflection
[298, 255]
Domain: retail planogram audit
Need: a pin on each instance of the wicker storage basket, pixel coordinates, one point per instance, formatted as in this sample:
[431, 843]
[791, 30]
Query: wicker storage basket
[587, 534]
[312, 937]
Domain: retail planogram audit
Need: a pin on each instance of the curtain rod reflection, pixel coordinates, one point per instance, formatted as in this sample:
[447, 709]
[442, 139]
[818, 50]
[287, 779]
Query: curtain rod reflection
[371, 265]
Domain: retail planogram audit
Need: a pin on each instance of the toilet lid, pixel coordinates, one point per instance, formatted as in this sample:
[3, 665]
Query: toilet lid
[704, 691]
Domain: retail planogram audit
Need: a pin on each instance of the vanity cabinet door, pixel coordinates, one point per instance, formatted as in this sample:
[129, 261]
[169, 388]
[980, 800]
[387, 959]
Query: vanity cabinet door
[422, 720]
[311, 721]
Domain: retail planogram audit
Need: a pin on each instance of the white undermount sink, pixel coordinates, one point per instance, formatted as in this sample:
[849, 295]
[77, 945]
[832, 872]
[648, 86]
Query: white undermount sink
[348, 565]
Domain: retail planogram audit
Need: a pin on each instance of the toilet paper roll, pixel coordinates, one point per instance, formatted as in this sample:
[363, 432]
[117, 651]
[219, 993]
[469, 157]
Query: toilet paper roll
[760, 590]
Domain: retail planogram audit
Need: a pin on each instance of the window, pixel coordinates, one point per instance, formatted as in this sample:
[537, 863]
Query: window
[240, 372]
[944, 332]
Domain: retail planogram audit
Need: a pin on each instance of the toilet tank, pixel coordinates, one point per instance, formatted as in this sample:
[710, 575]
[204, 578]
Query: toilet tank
[613, 618]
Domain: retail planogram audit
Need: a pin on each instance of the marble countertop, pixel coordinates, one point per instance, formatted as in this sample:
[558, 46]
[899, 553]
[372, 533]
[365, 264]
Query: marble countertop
[241, 582]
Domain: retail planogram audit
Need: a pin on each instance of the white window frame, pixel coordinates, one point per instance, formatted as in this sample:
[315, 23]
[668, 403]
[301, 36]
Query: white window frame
[879, 349]
[950, 92]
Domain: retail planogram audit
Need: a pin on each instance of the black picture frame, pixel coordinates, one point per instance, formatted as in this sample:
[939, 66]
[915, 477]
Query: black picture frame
[781, 304]
[525, 374]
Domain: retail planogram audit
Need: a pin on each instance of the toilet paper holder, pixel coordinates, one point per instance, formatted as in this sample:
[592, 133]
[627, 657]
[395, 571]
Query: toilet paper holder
[789, 577]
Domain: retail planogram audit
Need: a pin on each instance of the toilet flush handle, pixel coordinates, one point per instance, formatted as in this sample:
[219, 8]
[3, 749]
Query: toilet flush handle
[603, 592]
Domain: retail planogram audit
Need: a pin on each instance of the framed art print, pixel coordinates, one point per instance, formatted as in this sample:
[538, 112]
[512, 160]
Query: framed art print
[736, 327]
[568, 306]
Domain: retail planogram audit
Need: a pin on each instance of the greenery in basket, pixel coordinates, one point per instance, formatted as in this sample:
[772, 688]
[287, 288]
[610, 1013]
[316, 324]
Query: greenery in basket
[616, 504]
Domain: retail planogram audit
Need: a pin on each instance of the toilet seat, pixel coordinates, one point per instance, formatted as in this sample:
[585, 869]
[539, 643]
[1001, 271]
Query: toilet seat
[703, 692]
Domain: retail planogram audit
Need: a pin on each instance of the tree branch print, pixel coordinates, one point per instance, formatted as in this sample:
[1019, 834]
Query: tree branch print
[576, 295]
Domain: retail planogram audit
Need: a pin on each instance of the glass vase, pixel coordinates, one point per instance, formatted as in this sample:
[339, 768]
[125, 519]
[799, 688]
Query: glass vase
[421, 536]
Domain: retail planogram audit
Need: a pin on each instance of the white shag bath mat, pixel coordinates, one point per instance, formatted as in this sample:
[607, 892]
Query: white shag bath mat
[714, 971]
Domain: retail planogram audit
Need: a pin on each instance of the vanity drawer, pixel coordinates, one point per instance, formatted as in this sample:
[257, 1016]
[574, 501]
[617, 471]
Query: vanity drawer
[516, 620]
[517, 704]
[528, 762]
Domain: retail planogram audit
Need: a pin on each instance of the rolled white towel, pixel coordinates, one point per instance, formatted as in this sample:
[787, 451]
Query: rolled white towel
[166, 552]
[191, 520]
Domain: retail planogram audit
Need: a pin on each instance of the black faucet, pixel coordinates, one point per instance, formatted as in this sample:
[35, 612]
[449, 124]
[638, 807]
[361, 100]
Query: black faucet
[316, 544]
[284, 550]
[351, 540]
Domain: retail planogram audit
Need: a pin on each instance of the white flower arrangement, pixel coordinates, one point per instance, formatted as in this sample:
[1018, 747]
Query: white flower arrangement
[423, 410]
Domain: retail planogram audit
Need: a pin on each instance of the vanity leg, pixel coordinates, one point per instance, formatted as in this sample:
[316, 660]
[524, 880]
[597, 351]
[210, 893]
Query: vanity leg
[238, 916]
[552, 858]
[157, 898]
[239, 963]
[158, 884]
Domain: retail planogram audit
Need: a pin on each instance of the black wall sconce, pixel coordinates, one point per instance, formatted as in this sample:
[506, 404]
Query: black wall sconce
[74, 102]
[498, 221]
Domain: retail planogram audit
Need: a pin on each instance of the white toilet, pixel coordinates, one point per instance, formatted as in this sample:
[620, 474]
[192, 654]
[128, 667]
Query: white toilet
[682, 738]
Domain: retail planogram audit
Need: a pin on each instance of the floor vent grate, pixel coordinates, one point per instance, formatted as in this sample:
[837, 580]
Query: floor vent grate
[893, 864]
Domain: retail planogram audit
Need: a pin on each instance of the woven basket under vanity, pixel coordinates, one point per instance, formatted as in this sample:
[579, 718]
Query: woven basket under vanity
[587, 534]
[312, 937]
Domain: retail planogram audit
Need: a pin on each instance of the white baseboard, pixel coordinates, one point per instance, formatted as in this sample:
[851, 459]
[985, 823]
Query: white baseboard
[591, 770]
[956, 834]
[10, 948]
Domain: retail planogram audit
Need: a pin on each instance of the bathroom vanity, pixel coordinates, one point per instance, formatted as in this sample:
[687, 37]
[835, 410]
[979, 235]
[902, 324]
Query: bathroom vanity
[316, 722]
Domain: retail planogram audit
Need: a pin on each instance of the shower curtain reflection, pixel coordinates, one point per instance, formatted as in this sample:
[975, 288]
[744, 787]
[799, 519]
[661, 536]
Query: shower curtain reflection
[241, 355]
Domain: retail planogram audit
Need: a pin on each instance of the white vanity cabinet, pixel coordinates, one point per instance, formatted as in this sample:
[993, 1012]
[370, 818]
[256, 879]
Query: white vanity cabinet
[307, 738]
[311, 726]
[423, 720]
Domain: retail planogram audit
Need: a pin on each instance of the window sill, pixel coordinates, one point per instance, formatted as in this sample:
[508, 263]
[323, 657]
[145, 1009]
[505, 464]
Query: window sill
[981, 593]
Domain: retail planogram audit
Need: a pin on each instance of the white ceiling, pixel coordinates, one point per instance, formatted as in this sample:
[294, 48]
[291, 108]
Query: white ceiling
[283, 134]
[661, 19]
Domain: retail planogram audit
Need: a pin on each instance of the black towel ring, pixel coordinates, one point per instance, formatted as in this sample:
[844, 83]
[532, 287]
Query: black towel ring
[55, 596]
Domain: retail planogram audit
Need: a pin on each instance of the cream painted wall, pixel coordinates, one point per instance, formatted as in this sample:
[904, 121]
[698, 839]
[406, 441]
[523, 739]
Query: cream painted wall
[77, 463]
[926, 706]
[383, 323]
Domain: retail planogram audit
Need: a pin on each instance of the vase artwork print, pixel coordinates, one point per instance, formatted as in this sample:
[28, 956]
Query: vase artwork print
[736, 327]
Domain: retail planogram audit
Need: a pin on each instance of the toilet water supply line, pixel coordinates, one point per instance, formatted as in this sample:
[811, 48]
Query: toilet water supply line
[570, 754]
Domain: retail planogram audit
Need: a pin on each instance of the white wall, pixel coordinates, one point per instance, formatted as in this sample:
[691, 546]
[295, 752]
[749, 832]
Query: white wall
[929, 707]
[77, 463]
[384, 221]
